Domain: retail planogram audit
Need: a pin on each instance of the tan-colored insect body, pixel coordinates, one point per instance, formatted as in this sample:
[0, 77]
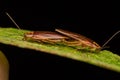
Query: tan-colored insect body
[65, 37]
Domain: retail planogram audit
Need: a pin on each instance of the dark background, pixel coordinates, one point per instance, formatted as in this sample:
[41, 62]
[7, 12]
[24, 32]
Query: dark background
[96, 20]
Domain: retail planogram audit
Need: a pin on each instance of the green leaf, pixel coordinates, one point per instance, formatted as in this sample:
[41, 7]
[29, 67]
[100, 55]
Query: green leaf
[104, 58]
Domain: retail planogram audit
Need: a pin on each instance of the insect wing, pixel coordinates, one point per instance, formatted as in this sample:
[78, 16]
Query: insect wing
[82, 39]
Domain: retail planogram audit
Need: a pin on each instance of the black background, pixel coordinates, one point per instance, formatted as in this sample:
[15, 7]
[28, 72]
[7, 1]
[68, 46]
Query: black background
[96, 20]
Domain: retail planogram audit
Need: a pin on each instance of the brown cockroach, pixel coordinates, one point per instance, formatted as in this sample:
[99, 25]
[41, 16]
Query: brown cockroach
[65, 37]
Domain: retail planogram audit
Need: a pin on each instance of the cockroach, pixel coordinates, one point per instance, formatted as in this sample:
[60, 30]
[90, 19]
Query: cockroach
[65, 37]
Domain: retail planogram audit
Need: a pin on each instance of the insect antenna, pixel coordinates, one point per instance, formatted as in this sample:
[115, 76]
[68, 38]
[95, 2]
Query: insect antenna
[12, 20]
[103, 46]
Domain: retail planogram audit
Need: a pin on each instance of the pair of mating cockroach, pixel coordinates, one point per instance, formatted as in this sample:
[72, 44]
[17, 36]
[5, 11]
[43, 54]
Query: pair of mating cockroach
[63, 36]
